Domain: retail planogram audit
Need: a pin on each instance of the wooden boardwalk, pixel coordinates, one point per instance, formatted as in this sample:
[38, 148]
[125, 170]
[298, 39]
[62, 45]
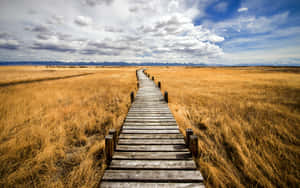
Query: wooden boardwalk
[151, 151]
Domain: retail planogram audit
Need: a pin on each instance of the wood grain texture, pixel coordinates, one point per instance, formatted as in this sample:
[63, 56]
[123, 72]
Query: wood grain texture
[153, 164]
[151, 136]
[154, 175]
[151, 131]
[152, 148]
[132, 127]
[152, 155]
[151, 141]
[150, 185]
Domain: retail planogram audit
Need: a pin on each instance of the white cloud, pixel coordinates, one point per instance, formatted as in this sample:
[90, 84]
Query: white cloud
[9, 44]
[242, 9]
[97, 2]
[83, 21]
[118, 30]
[248, 24]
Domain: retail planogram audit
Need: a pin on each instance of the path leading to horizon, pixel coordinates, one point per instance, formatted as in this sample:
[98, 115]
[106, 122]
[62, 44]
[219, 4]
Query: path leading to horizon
[151, 151]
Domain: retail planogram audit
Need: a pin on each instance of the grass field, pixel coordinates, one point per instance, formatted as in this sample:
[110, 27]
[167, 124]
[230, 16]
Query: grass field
[52, 131]
[247, 121]
[16, 74]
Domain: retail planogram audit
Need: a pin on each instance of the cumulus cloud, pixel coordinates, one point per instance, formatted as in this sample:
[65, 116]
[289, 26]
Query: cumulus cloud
[55, 19]
[9, 44]
[40, 29]
[4, 35]
[242, 9]
[93, 3]
[250, 24]
[53, 46]
[113, 29]
[83, 21]
[121, 30]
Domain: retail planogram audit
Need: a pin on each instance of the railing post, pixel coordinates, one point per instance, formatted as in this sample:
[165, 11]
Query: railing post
[188, 133]
[194, 145]
[113, 132]
[159, 85]
[153, 78]
[108, 148]
[166, 97]
[136, 74]
[132, 97]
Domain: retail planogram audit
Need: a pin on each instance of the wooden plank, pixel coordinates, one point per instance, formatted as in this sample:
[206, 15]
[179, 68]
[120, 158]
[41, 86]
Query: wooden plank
[152, 148]
[151, 136]
[156, 107]
[151, 141]
[154, 175]
[151, 120]
[152, 155]
[143, 99]
[106, 184]
[151, 131]
[150, 107]
[149, 102]
[149, 114]
[151, 124]
[153, 164]
[149, 110]
[153, 117]
[145, 127]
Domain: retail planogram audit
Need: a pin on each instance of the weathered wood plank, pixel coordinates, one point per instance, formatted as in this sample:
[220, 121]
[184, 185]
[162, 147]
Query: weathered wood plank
[151, 131]
[152, 148]
[150, 120]
[152, 155]
[154, 175]
[152, 164]
[151, 136]
[152, 117]
[153, 106]
[149, 112]
[145, 127]
[151, 124]
[106, 184]
[151, 141]
[146, 115]
[141, 108]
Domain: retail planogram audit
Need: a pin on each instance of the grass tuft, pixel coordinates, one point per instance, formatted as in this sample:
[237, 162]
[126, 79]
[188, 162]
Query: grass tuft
[247, 120]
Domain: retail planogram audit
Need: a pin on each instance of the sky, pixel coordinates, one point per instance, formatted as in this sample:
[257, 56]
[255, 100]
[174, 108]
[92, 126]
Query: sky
[227, 32]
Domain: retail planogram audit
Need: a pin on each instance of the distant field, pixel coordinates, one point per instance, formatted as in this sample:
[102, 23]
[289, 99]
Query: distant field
[247, 121]
[52, 131]
[15, 74]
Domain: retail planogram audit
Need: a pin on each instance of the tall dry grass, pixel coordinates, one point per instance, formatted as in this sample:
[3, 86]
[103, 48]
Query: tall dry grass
[15, 74]
[247, 121]
[52, 131]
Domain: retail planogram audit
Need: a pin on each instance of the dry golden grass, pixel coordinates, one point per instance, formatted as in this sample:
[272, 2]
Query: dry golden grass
[52, 131]
[247, 121]
[13, 74]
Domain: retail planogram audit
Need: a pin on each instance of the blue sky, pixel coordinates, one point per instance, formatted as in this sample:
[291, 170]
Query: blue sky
[194, 31]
